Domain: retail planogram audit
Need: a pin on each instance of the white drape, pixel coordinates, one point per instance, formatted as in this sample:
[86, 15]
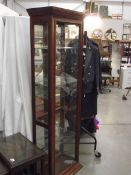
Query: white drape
[1, 67]
[5, 11]
[24, 71]
[16, 91]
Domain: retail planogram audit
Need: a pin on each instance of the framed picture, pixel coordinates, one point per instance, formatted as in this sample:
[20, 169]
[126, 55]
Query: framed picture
[73, 32]
[127, 28]
[97, 34]
[66, 32]
[111, 35]
[124, 37]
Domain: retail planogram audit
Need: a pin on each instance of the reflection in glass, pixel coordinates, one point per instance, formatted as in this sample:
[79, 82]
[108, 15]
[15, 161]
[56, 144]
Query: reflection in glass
[42, 143]
[67, 54]
[41, 72]
[42, 138]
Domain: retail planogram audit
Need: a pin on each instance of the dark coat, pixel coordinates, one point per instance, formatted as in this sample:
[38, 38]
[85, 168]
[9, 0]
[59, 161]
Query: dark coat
[91, 77]
[91, 81]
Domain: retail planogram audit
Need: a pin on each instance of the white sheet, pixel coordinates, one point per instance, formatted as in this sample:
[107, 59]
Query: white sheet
[24, 71]
[5, 11]
[1, 67]
[16, 96]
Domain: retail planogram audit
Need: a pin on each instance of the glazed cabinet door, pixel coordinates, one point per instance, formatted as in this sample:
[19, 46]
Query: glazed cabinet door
[67, 59]
[56, 42]
[40, 88]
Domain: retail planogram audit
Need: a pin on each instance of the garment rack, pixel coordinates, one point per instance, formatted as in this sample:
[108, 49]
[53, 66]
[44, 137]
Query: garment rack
[83, 129]
[94, 142]
[124, 97]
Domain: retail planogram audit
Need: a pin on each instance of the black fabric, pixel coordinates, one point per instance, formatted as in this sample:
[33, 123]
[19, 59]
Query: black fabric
[89, 111]
[92, 73]
[89, 124]
[106, 67]
[91, 85]
[89, 105]
[91, 80]
[70, 114]
[72, 56]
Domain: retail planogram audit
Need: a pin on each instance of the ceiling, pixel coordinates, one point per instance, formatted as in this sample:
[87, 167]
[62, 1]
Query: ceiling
[53, 1]
[73, 1]
[71, 4]
[68, 1]
[115, 2]
[75, 4]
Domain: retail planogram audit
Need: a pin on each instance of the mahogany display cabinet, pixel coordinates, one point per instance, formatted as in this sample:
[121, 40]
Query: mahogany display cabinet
[56, 48]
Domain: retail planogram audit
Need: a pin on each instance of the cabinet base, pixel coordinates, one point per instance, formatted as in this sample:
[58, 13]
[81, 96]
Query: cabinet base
[72, 170]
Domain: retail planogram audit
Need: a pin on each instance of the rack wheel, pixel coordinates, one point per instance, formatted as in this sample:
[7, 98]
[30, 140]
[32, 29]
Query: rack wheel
[124, 97]
[97, 154]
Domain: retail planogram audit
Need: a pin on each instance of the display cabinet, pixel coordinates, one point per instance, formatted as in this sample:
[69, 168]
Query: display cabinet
[126, 31]
[56, 42]
[125, 46]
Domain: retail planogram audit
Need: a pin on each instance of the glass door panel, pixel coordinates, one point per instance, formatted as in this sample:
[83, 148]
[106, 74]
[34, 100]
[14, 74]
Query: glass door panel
[42, 143]
[41, 72]
[67, 55]
[42, 138]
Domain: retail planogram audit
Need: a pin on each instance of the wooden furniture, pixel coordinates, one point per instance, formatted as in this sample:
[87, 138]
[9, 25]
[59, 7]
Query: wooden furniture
[56, 46]
[105, 49]
[126, 31]
[125, 46]
[3, 169]
[18, 153]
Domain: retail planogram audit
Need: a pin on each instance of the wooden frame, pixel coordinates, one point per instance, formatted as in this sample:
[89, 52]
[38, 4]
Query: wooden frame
[53, 16]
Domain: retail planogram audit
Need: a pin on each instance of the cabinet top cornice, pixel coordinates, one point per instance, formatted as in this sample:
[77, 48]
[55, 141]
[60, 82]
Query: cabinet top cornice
[56, 12]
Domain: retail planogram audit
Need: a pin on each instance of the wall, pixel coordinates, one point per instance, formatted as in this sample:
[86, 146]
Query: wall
[79, 6]
[20, 9]
[104, 24]
[91, 23]
[71, 6]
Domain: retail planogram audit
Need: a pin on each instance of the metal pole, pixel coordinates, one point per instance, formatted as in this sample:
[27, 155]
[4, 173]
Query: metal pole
[10, 4]
[48, 2]
[4, 2]
[122, 9]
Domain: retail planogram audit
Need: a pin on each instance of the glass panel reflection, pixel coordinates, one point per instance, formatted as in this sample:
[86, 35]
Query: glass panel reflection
[67, 55]
[41, 71]
[42, 138]
[42, 143]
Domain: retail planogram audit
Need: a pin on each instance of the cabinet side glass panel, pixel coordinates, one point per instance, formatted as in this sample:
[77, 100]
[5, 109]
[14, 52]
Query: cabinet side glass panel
[41, 72]
[42, 138]
[67, 56]
[42, 143]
